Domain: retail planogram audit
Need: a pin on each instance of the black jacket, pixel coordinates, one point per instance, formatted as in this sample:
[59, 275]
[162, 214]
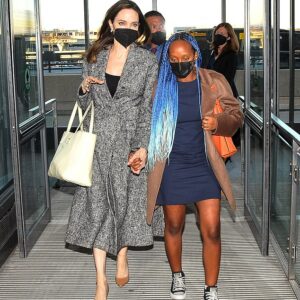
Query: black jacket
[225, 64]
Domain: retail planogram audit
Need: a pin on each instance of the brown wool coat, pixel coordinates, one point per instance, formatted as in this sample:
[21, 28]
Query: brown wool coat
[214, 86]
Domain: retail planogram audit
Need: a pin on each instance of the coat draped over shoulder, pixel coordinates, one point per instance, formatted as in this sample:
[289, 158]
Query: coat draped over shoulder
[213, 86]
[111, 213]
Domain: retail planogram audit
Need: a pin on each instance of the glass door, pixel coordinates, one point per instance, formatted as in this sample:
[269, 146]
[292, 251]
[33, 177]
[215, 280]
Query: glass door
[285, 203]
[257, 117]
[28, 124]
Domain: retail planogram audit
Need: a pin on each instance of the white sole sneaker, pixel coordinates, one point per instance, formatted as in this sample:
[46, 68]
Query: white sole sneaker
[177, 297]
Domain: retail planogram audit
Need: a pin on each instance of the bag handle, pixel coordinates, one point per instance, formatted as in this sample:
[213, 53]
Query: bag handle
[91, 127]
[73, 114]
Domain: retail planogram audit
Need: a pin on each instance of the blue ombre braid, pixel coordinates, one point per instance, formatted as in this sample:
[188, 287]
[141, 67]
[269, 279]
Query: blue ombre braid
[165, 106]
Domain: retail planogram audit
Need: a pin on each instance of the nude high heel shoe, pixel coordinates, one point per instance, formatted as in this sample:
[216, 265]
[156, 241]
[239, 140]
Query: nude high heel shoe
[122, 280]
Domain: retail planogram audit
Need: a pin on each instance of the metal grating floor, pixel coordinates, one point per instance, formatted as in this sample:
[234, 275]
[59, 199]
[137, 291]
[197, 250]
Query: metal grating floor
[53, 272]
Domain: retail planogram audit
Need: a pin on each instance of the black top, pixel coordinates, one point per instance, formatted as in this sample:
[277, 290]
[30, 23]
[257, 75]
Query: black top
[226, 64]
[112, 83]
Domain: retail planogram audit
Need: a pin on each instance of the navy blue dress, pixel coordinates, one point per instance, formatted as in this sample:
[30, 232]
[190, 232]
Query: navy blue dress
[188, 177]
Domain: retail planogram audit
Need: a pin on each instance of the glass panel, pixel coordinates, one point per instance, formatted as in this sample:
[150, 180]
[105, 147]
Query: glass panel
[297, 265]
[33, 181]
[237, 22]
[192, 15]
[297, 66]
[256, 55]
[63, 37]
[5, 149]
[24, 29]
[255, 177]
[281, 191]
[284, 73]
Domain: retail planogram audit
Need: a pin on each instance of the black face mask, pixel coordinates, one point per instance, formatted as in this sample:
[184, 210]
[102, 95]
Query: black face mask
[220, 39]
[182, 69]
[158, 37]
[126, 36]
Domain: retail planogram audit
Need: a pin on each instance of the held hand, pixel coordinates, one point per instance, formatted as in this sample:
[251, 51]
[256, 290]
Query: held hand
[85, 85]
[135, 164]
[137, 160]
[209, 123]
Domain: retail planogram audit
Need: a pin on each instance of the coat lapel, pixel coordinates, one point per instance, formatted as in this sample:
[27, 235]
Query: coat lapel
[131, 57]
[209, 94]
[100, 67]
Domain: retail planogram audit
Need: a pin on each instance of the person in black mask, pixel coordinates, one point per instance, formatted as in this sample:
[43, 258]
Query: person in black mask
[184, 165]
[118, 76]
[156, 23]
[225, 46]
[223, 59]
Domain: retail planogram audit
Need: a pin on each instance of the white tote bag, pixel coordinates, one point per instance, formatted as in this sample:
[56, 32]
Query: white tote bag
[73, 158]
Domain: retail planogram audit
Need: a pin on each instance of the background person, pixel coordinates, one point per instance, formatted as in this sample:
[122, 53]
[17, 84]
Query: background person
[156, 23]
[223, 59]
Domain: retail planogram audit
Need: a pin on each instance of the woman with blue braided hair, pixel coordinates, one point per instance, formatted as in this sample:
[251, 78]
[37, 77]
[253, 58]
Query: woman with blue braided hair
[184, 164]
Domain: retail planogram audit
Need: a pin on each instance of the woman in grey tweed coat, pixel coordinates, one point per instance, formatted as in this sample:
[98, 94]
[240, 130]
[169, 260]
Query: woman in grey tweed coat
[111, 214]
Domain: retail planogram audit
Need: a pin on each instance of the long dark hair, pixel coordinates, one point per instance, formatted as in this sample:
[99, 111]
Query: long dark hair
[232, 44]
[106, 37]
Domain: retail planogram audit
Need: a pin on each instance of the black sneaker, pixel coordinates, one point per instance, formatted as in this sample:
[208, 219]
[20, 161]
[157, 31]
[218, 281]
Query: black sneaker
[211, 293]
[178, 286]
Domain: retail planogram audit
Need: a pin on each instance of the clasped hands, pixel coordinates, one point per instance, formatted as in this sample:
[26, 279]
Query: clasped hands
[137, 160]
[86, 83]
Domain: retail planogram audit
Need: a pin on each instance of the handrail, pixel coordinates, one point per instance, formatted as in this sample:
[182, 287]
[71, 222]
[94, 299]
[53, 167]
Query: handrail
[53, 103]
[50, 101]
[256, 119]
[286, 129]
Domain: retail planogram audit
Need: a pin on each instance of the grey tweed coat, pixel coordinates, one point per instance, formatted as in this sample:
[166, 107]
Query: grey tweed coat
[111, 213]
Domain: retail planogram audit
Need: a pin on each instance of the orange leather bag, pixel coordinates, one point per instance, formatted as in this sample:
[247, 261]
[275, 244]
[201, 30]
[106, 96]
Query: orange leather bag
[223, 144]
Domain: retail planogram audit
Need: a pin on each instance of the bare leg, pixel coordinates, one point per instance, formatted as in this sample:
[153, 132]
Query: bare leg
[101, 281]
[122, 274]
[174, 224]
[210, 227]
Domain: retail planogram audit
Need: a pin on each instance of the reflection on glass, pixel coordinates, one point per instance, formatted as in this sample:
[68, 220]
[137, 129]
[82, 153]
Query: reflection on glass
[255, 177]
[24, 28]
[63, 36]
[5, 149]
[33, 181]
[256, 55]
[281, 191]
[284, 73]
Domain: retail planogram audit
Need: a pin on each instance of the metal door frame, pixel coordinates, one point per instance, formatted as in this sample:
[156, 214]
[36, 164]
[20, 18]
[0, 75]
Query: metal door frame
[37, 123]
[263, 124]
